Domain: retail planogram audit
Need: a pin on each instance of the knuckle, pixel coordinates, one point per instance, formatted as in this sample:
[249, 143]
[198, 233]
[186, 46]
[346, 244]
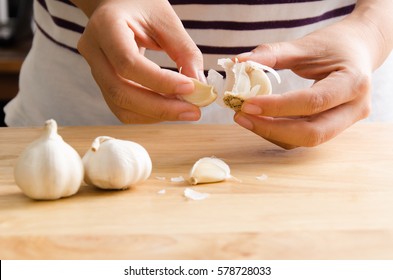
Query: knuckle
[317, 103]
[193, 51]
[366, 111]
[269, 53]
[190, 53]
[361, 90]
[125, 66]
[163, 115]
[267, 132]
[314, 137]
[118, 96]
[363, 84]
[124, 118]
[265, 48]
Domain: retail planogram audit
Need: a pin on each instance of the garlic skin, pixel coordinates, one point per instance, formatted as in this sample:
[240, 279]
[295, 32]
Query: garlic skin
[202, 95]
[194, 195]
[49, 168]
[209, 170]
[243, 80]
[116, 164]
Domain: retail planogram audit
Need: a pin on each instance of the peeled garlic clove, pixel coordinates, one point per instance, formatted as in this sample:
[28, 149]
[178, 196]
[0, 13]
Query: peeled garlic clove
[243, 80]
[116, 164]
[49, 168]
[202, 96]
[209, 170]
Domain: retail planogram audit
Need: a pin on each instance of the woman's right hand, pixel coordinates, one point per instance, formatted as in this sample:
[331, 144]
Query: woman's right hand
[136, 89]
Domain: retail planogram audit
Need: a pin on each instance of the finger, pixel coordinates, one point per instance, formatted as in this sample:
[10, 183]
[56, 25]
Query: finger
[178, 44]
[128, 97]
[127, 100]
[308, 131]
[123, 54]
[337, 88]
[142, 50]
[130, 117]
[282, 145]
[304, 57]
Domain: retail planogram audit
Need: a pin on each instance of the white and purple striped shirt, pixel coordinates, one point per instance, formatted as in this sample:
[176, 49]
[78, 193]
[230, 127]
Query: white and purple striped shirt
[220, 28]
[56, 83]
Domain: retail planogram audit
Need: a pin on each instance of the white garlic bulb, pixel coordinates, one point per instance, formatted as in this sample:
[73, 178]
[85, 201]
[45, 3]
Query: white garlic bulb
[243, 80]
[209, 170]
[202, 95]
[116, 164]
[49, 168]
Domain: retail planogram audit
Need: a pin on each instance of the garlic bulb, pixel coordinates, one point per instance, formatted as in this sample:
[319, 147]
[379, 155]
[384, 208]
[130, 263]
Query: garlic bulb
[202, 96]
[209, 170]
[243, 80]
[49, 168]
[116, 164]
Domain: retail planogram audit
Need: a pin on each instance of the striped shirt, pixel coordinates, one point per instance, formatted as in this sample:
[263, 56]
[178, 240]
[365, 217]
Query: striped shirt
[220, 28]
[57, 83]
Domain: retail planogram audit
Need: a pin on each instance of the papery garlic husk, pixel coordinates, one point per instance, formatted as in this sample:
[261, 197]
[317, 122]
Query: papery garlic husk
[116, 164]
[194, 195]
[243, 80]
[202, 95]
[209, 170]
[49, 168]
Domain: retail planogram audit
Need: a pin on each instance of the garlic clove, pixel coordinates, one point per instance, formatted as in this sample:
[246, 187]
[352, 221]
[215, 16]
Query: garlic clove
[202, 96]
[209, 170]
[49, 168]
[116, 164]
[260, 80]
[243, 80]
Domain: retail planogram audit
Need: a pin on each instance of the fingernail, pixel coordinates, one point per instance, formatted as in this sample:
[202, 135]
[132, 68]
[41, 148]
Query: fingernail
[244, 55]
[184, 88]
[189, 116]
[244, 122]
[251, 109]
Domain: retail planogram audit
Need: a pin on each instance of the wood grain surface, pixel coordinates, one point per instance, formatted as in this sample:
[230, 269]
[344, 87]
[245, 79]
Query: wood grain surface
[334, 201]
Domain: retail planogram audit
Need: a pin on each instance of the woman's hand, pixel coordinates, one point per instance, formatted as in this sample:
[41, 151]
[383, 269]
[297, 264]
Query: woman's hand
[341, 59]
[136, 89]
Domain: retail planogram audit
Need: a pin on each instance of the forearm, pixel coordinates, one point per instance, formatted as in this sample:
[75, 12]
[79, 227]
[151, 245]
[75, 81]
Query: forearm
[375, 19]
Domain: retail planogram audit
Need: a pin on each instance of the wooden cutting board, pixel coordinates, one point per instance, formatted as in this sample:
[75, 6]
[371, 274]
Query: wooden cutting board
[334, 201]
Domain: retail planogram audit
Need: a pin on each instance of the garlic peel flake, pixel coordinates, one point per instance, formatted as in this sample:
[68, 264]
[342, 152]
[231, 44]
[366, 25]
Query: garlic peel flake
[179, 179]
[194, 195]
[262, 177]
